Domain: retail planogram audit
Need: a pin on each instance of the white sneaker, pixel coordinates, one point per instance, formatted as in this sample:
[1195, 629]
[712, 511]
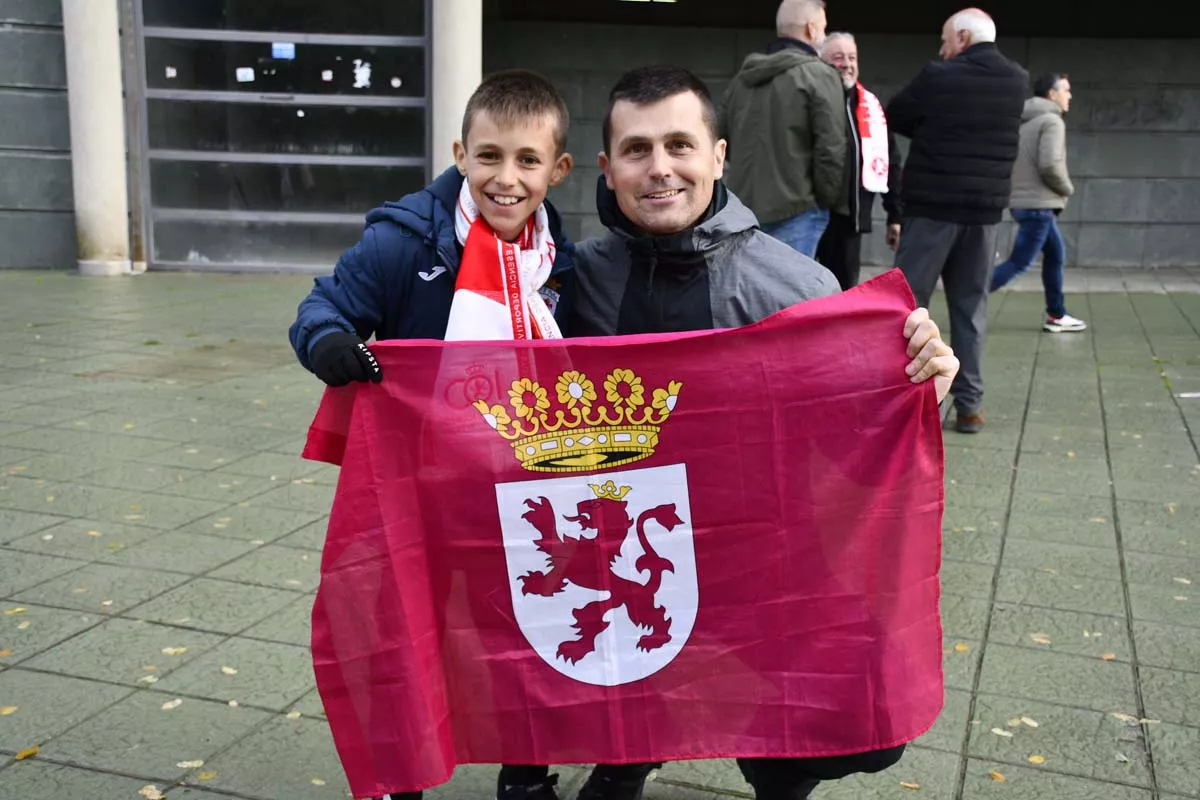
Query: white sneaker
[1064, 324]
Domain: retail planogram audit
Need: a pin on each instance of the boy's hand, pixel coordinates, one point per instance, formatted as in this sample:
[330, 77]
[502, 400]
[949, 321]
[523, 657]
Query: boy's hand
[339, 358]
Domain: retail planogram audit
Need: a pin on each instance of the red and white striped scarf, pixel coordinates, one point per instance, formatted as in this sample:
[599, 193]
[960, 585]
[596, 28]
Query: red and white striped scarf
[872, 128]
[500, 290]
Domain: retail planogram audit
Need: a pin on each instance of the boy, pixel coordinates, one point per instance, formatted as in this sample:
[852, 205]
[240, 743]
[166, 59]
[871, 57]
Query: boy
[427, 267]
[413, 273]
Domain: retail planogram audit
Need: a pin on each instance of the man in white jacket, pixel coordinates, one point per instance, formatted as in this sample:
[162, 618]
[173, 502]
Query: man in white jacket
[1040, 188]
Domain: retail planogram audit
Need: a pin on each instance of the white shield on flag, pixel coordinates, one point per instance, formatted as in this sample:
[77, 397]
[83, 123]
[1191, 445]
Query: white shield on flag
[602, 570]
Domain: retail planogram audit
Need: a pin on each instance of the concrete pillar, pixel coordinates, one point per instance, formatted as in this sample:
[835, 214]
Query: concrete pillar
[92, 41]
[457, 57]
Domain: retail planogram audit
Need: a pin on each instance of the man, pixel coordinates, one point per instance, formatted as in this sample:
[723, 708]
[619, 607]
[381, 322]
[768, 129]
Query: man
[873, 167]
[1041, 186]
[684, 254]
[787, 130]
[962, 115]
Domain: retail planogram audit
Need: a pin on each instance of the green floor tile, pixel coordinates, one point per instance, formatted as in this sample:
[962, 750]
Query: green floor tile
[181, 552]
[1088, 635]
[27, 629]
[280, 567]
[40, 780]
[1175, 748]
[20, 570]
[1030, 783]
[252, 522]
[1039, 587]
[1083, 743]
[121, 651]
[266, 674]
[1057, 677]
[213, 605]
[137, 736]
[291, 625]
[1167, 646]
[48, 705]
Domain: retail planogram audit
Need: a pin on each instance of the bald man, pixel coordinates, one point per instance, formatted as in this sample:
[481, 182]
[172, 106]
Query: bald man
[963, 115]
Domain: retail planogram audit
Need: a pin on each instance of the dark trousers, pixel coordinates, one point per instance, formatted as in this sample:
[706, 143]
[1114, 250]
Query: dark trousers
[527, 774]
[1037, 232]
[795, 778]
[840, 250]
[962, 255]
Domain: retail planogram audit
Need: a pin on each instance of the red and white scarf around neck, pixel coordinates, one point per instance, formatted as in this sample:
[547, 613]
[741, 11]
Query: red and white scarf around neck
[499, 290]
[872, 129]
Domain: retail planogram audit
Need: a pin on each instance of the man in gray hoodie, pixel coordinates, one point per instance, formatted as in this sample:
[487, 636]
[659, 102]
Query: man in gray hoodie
[1040, 188]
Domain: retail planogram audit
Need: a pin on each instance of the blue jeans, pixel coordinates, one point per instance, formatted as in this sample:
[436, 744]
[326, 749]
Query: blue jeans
[801, 232]
[1037, 232]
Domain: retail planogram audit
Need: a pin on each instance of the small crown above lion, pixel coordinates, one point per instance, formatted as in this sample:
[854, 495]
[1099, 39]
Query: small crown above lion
[583, 431]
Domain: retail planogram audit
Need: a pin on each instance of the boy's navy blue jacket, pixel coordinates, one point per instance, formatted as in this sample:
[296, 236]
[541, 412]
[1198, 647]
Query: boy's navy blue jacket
[398, 281]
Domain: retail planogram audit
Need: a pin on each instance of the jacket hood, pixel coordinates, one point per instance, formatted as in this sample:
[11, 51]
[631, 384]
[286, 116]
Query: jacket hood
[760, 68]
[429, 213]
[1038, 106]
[726, 216]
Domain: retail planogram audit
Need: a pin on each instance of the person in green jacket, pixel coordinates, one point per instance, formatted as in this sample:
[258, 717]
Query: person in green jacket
[785, 121]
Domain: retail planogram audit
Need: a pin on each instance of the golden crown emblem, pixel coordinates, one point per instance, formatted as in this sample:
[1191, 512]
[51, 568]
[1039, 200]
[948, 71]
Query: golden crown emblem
[581, 433]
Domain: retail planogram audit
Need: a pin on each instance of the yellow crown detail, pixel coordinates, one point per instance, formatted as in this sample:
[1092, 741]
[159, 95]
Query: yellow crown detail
[581, 433]
[609, 491]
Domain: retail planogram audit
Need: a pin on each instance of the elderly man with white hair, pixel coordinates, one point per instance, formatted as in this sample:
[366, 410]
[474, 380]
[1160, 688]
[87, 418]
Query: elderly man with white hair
[786, 128]
[963, 115]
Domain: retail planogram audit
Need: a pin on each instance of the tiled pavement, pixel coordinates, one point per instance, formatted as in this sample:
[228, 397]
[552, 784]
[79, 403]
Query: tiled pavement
[159, 547]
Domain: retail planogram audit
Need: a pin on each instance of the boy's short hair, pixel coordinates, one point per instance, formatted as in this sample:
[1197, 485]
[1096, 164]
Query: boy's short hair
[517, 95]
[1047, 83]
[645, 85]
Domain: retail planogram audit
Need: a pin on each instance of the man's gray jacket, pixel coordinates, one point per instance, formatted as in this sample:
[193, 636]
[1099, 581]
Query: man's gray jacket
[721, 273]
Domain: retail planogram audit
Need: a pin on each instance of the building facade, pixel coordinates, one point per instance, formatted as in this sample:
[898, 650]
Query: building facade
[259, 132]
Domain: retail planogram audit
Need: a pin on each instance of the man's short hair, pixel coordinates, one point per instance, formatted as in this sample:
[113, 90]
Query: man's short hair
[833, 37]
[977, 22]
[793, 15]
[645, 85]
[1047, 83]
[517, 96]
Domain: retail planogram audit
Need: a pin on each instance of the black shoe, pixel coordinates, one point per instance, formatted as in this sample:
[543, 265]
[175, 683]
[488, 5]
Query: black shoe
[542, 790]
[616, 782]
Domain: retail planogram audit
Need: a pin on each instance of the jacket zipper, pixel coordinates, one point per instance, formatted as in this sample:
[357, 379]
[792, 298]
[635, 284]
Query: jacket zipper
[854, 193]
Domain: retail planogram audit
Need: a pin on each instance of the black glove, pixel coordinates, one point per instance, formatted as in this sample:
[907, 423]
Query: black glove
[338, 358]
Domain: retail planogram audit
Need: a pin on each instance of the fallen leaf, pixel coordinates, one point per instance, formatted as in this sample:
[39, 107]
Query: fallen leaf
[911, 786]
[228, 671]
[962, 647]
[129, 426]
[5, 653]
[1097, 519]
[1047, 570]
[170, 704]
[28, 752]
[1014, 723]
[321, 782]
[6, 710]
[150, 792]
[149, 667]
[1030, 722]
[1040, 638]
[49, 498]
[190, 764]
[996, 776]
[292, 582]
[206, 776]
[134, 517]
[293, 715]
[47, 537]
[1181, 598]
[1002, 732]
[1184, 581]
[1070, 454]
[174, 651]
[1121, 757]
[1108, 657]
[148, 679]
[14, 611]
[1037, 759]
[1170, 508]
[1145, 721]
[24, 625]
[1122, 717]
[233, 703]
[79, 590]
[114, 546]
[94, 534]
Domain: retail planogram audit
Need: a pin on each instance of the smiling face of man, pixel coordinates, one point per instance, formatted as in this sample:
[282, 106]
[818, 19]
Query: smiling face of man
[662, 162]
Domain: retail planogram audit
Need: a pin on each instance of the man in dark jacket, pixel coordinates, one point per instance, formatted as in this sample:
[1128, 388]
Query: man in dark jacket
[962, 115]
[787, 133]
[684, 254]
[872, 167]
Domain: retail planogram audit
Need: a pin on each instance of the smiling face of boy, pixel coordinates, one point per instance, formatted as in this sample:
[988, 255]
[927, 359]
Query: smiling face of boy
[509, 167]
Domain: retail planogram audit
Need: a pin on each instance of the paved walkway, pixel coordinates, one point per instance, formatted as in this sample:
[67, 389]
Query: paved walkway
[159, 548]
